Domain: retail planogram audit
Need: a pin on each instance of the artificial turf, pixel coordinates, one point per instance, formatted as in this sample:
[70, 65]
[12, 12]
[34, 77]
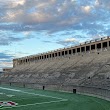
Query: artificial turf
[30, 99]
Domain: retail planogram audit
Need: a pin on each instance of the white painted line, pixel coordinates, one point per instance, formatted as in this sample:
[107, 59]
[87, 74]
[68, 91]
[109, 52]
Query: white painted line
[34, 104]
[10, 89]
[41, 95]
[32, 93]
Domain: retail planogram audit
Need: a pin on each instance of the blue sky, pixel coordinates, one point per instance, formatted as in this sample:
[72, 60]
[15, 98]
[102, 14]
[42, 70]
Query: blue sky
[30, 27]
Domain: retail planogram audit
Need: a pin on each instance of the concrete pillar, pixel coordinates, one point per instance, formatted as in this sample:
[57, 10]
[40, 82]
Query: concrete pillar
[51, 55]
[85, 49]
[80, 49]
[47, 56]
[90, 48]
[107, 44]
[67, 52]
[75, 50]
[60, 53]
[95, 47]
[29, 60]
[101, 46]
[57, 54]
[64, 52]
[42, 57]
[54, 54]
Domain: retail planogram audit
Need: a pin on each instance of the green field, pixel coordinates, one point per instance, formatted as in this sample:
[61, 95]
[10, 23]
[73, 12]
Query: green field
[29, 99]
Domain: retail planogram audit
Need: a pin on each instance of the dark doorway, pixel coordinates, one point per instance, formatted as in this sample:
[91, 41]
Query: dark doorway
[10, 84]
[50, 55]
[59, 54]
[74, 51]
[42, 57]
[87, 48]
[82, 49]
[66, 52]
[78, 50]
[104, 44]
[93, 47]
[69, 51]
[24, 85]
[62, 53]
[43, 87]
[74, 91]
[55, 54]
[99, 46]
[45, 56]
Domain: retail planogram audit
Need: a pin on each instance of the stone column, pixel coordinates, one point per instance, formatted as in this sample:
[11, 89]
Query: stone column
[51, 55]
[90, 48]
[67, 52]
[85, 49]
[64, 52]
[95, 47]
[107, 44]
[75, 50]
[101, 46]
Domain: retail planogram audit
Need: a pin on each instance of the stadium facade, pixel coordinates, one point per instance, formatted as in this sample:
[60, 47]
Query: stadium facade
[84, 68]
[90, 46]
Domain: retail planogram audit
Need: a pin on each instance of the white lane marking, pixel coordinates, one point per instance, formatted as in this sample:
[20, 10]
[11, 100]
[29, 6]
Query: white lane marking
[10, 89]
[35, 104]
[32, 93]
[42, 95]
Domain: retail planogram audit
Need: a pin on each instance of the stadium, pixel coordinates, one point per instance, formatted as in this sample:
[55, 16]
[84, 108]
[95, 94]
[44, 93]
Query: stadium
[72, 78]
[55, 55]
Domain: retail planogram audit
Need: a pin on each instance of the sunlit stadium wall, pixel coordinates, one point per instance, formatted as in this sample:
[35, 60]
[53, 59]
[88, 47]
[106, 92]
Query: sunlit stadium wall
[103, 93]
[89, 46]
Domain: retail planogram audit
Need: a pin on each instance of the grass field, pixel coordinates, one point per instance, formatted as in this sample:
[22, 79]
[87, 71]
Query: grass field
[29, 99]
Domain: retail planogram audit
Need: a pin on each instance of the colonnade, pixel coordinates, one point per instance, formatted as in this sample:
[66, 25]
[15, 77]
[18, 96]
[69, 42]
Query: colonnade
[82, 48]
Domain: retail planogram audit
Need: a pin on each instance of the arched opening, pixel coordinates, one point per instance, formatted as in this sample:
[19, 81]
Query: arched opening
[104, 45]
[62, 53]
[87, 48]
[99, 46]
[93, 47]
[78, 50]
[55, 54]
[82, 49]
[66, 52]
[74, 51]
[69, 51]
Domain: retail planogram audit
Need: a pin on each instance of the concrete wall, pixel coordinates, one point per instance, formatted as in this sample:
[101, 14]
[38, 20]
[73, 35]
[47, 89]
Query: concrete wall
[91, 91]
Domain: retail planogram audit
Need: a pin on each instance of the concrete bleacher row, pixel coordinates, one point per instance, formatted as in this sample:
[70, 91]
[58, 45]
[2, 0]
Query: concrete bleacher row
[84, 69]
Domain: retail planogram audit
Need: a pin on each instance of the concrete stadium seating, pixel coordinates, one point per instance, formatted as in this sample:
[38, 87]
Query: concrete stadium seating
[91, 69]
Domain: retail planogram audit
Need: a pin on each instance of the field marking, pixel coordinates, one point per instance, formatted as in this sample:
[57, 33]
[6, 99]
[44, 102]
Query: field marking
[10, 89]
[32, 93]
[43, 95]
[34, 104]
[19, 99]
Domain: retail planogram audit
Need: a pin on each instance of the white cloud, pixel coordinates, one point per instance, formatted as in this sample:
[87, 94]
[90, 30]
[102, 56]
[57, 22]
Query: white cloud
[86, 9]
[15, 3]
[24, 18]
[97, 3]
[54, 15]
[27, 33]
[70, 40]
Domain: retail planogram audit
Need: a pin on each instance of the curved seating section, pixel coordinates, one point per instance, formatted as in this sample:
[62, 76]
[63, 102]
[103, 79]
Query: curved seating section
[91, 69]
